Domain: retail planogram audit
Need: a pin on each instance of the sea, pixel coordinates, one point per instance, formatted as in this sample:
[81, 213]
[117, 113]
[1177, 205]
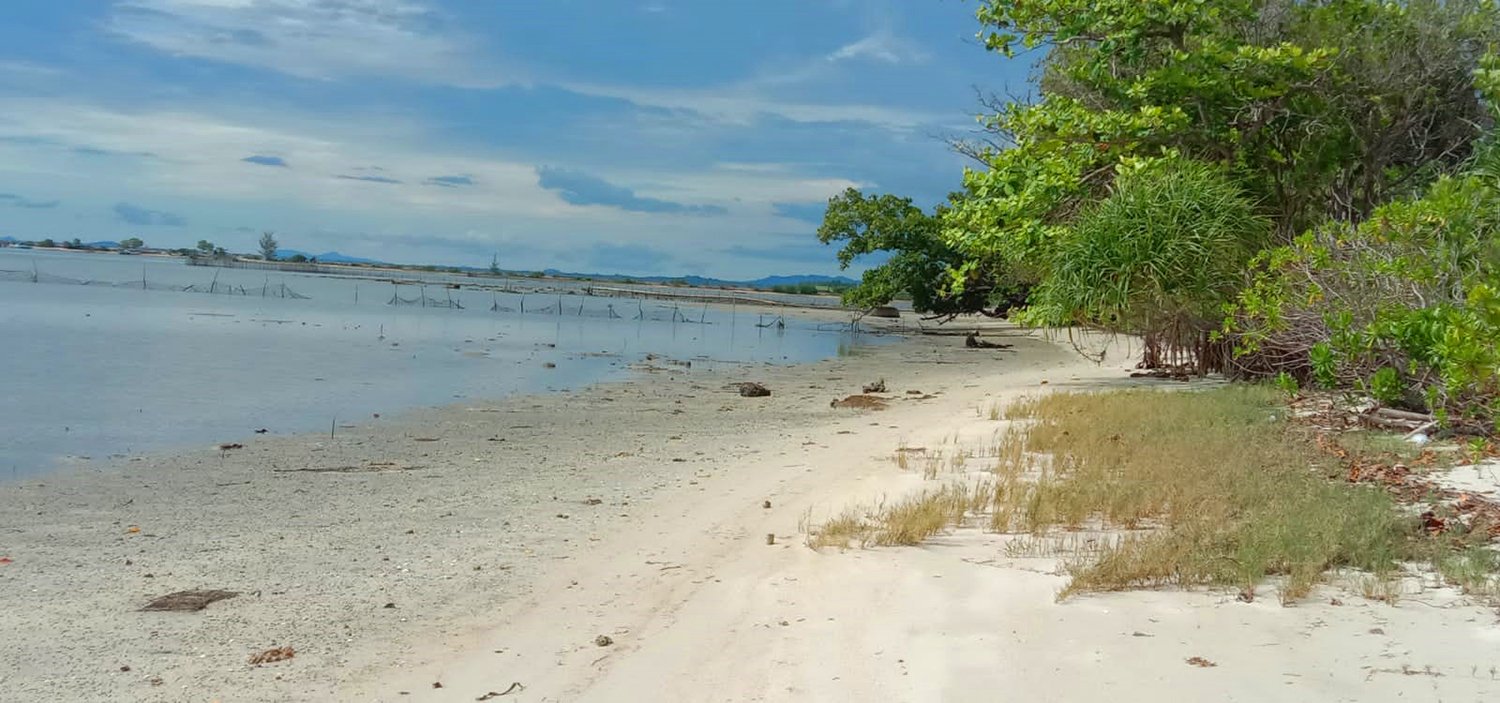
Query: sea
[104, 356]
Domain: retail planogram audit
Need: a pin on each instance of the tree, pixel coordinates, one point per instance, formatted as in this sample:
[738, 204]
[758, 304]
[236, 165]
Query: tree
[47, 243]
[205, 247]
[132, 243]
[1160, 257]
[297, 259]
[920, 263]
[268, 246]
[1318, 108]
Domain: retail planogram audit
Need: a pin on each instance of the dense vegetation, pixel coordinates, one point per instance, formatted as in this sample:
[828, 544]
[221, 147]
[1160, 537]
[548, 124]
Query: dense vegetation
[1304, 189]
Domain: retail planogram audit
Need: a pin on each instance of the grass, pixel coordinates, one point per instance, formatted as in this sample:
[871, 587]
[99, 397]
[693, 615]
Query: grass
[1210, 488]
[906, 522]
[1226, 486]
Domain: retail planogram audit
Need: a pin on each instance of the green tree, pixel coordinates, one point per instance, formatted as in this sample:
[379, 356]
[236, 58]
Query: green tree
[1318, 108]
[1160, 257]
[205, 247]
[132, 243]
[46, 243]
[920, 264]
[268, 246]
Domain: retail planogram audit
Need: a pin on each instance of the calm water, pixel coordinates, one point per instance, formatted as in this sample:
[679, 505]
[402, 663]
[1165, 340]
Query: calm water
[99, 370]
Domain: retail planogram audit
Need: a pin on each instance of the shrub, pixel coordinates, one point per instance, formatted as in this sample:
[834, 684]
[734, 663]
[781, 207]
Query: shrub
[1404, 307]
[1159, 257]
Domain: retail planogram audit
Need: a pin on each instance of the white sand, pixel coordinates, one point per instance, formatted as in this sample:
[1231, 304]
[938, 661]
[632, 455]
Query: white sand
[673, 565]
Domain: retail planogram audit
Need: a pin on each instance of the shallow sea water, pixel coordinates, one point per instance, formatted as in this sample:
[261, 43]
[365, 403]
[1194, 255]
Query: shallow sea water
[88, 372]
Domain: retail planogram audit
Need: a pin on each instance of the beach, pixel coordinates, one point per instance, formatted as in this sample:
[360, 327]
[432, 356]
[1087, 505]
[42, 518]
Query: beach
[645, 540]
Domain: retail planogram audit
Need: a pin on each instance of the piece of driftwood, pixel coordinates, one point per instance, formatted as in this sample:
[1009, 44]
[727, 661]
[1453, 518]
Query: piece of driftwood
[1395, 414]
[860, 402]
[974, 342]
[188, 601]
[272, 655]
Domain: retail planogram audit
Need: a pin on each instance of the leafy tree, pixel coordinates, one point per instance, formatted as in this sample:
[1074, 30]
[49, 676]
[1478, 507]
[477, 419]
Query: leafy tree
[268, 246]
[297, 259]
[1404, 306]
[132, 243]
[1317, 108]
[205, 247]
[920, 263]
[46, 243]
[1160, 257]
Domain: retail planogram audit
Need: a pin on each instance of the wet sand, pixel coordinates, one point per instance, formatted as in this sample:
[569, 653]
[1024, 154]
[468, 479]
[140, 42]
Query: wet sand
[490, 544]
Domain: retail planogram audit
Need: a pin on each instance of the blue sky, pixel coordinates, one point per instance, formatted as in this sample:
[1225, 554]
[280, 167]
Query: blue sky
[639, 136]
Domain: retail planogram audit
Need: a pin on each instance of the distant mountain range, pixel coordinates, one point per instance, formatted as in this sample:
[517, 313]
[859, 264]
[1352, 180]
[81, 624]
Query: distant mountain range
[327, 257]
[766, 282]
[333, 257]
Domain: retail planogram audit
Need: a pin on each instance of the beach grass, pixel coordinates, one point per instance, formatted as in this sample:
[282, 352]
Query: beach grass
[906, 522]
[1232, 495]
[1198, 488]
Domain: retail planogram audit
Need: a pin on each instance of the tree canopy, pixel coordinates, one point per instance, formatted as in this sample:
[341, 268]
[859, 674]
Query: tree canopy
[268, 246]
[1234, 180]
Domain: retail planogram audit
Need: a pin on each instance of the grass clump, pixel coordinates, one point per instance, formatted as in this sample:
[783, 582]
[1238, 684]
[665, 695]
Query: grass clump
[1147, 489]
[907, 522]
[1229, 492]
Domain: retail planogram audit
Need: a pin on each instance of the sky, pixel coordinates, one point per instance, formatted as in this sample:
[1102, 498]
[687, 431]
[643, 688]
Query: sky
[635, 136]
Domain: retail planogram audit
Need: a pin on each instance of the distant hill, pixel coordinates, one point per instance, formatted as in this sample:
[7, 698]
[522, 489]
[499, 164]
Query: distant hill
[766, 282]
[814, 279]
[328, 257]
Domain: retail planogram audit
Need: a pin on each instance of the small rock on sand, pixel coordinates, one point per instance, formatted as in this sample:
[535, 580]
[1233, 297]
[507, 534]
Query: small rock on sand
[751, 389]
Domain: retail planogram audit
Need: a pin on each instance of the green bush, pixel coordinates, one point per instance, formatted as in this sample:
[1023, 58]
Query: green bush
[1404, 307]
[1159, 257]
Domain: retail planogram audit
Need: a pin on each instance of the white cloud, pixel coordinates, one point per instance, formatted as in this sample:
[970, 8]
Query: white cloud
[336, 39]
[318, 39]
[201, 155]
[742, 105]
[883, 46]
[195, 167]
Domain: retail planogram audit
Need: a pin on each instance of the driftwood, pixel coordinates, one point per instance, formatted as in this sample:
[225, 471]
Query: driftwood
[974, 342]
[188, 601]
[860, 402]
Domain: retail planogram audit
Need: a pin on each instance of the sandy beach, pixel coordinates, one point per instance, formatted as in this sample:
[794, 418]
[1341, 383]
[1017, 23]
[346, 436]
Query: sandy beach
[644, 540]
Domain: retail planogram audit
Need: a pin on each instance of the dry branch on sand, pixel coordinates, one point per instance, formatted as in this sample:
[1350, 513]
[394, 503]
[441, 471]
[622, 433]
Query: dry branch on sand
[860, 402]
[272, 655]
[188, 601]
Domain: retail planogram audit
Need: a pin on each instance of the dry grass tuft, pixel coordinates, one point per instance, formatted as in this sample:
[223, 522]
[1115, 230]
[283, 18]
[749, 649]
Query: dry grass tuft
[906, 522]
[1226, 486]
[1146, 489]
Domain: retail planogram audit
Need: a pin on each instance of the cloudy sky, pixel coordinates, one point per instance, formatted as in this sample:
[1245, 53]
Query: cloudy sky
[632, 136]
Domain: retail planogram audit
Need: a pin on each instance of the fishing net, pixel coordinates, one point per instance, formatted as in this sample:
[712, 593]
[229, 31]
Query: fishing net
[267, 290]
